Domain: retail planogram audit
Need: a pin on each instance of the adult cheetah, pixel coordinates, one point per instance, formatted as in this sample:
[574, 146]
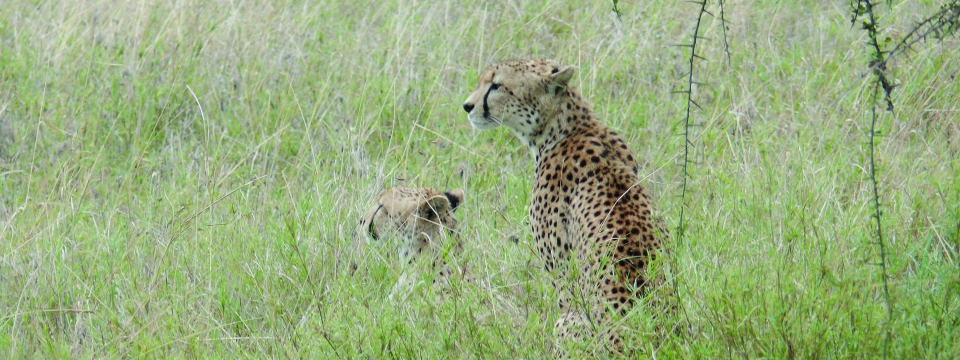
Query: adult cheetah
[593, 223]
[418, 221]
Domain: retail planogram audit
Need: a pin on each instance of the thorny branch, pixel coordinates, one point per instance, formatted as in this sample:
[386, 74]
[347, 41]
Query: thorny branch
[723, 25]
[686, 120]
[878, 63]
[939, 26]
[864, 9]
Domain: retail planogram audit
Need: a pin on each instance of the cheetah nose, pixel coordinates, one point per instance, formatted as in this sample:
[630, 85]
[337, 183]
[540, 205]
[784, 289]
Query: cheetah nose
[467, 107]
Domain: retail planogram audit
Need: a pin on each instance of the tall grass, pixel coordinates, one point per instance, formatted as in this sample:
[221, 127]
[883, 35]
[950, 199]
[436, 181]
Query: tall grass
[183, 179]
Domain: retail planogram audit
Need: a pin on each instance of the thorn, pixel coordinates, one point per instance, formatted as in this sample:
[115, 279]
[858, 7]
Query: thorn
[695, 103]
[699, 57]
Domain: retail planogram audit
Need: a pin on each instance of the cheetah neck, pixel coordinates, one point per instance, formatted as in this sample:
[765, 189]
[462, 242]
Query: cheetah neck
[570, 116]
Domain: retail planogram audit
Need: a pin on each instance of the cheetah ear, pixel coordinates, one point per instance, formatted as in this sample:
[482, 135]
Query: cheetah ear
[455, 197]
[562, 75]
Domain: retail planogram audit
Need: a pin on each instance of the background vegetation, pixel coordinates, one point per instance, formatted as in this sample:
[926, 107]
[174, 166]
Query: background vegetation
[183, 178]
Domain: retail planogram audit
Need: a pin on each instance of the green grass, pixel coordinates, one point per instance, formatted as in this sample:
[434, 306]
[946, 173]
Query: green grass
[183, 179]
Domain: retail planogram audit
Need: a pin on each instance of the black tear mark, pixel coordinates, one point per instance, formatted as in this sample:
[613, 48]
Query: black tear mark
[370, 229]
[486, 109]
[554, 71]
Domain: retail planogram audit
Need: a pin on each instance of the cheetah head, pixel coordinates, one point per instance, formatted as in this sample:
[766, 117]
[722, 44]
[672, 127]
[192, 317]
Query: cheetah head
[519, 95]
[415, 217]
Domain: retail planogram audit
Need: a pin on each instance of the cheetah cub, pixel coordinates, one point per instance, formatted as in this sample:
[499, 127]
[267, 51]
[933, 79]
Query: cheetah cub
[419, 221]
[593, 223]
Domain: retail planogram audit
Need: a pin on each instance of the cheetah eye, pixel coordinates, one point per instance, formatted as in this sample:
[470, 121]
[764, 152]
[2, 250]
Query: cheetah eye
[494, 86]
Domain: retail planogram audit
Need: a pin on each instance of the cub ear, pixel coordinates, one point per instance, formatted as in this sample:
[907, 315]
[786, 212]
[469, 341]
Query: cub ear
[455, 197]
[435, 204]
[562, 75]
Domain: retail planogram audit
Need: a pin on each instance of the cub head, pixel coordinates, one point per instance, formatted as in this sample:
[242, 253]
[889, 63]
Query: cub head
[415, 217]
[517, 94]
